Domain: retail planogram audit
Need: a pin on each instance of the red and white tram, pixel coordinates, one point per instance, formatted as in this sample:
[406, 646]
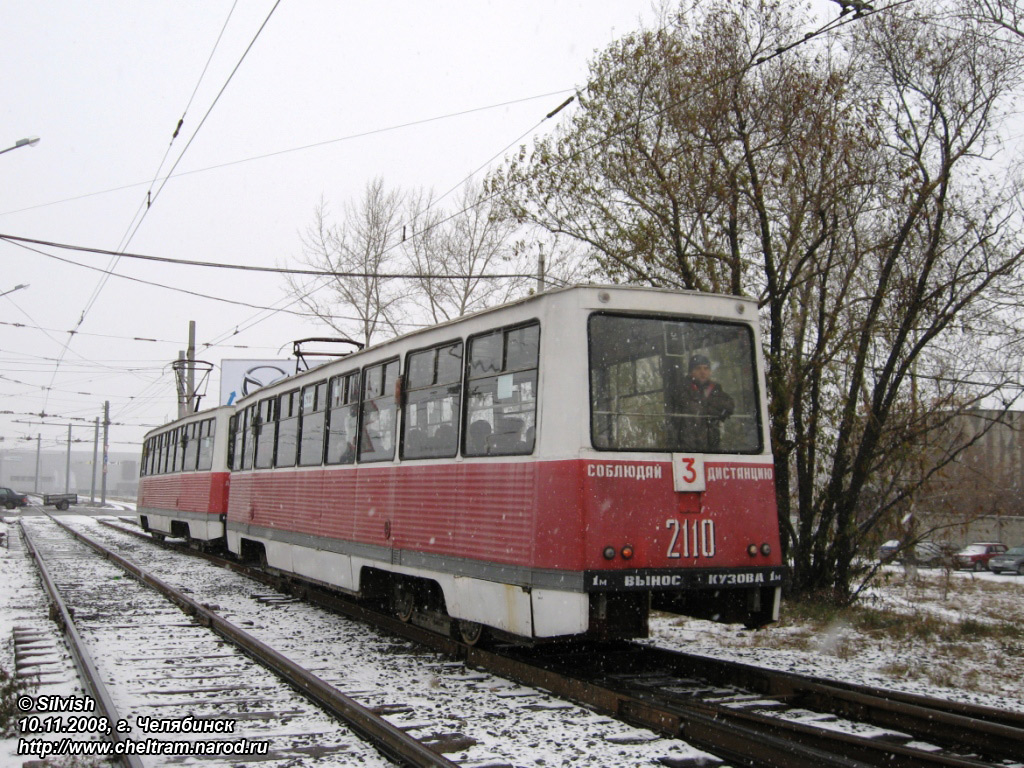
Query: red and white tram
[553, 467]
[183, 488]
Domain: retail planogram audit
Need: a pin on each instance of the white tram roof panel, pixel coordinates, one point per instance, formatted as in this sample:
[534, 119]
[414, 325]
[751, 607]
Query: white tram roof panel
[628, 298]
[206, 413]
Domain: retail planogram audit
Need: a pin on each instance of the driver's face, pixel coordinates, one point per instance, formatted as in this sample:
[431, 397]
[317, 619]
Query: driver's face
[701, 373]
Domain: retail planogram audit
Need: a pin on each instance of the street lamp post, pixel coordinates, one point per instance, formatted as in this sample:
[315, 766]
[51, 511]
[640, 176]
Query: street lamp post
[29, 142]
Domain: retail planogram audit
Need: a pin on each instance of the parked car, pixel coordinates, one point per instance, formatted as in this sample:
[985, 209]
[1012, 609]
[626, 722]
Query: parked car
[926, 553]
[888, 551]
[976, 556]
[10, 499]
[922, 553]
[1010, 560]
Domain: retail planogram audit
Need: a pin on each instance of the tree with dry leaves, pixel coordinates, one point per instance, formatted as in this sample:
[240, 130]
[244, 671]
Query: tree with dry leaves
[844, 179]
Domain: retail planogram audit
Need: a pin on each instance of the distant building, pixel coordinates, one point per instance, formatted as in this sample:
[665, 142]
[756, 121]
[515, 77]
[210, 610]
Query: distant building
[980, 496]
[18, 471]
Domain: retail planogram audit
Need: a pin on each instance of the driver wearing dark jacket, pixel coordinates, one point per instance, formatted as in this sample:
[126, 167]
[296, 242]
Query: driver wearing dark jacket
[704, 405]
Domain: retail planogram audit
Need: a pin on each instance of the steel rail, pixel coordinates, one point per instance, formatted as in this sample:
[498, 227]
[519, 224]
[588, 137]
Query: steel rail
[746, 737]
[389, 740]
[742, 737]
[986, 730]
[83, 660]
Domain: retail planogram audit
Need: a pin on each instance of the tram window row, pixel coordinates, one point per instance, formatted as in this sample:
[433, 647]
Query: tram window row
[479, 397]
[188, 448]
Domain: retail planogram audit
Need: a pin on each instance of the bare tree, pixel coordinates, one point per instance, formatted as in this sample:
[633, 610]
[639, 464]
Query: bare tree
[358, 250]
[465, 261]
[1008, 15]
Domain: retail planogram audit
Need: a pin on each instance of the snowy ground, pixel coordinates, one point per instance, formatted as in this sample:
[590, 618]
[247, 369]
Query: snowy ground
[954, 635]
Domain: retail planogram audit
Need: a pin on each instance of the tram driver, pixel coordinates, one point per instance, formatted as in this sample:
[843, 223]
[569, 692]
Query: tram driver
[703, 405]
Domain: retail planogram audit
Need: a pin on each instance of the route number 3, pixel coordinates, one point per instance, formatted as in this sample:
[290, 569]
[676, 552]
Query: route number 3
[688, 472]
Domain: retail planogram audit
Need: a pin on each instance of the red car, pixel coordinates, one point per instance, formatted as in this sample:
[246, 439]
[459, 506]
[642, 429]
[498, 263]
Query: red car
[976, 556]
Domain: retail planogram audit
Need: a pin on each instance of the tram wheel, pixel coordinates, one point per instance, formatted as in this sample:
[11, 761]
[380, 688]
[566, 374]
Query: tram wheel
[404, 602]
[470, 632]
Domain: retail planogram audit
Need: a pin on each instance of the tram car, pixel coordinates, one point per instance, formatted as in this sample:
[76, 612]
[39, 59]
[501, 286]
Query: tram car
[183, 487]
[554, 467]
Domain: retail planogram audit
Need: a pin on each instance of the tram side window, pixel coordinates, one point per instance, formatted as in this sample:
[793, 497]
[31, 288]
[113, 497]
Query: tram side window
[237, 439]
[190, 441]
[249, 430]
[232, 436]
[206, 432]
[170, 449]
[343, 418]
[177, 449]
[377, 418]
[170, 442]
[501, 392]
[158, 459]
[287, 429]
[264, 431]
[311, 444]
[430, 421]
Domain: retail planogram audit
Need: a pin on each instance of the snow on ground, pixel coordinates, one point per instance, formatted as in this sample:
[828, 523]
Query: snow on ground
[952, 635]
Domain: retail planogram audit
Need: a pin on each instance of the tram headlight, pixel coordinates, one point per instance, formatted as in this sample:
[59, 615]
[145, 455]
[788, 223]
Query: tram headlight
[627, 552]
[752, 550]
[766, 549]
[609, 553]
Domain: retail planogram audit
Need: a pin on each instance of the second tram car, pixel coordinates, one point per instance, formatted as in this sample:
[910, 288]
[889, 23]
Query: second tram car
[183, 488]
[552, 467]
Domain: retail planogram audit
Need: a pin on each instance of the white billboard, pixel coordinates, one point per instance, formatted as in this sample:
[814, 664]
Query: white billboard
[239, 378]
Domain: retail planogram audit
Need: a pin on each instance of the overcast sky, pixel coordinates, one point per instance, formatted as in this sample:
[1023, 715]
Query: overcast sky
[315, 110]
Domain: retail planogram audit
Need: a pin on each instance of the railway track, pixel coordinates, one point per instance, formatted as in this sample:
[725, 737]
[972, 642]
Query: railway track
[748, 715]
[475, 719]
[163, 685]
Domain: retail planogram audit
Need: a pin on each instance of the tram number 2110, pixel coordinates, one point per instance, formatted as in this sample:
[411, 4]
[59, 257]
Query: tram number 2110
[691, 538]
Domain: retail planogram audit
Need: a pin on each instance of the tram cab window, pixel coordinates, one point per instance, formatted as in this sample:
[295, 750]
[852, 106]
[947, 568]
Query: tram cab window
[343, 418]
[433, 396]
[287, 429]
[501, 392]
[312, 421]
[378, 413]
[647, 392]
